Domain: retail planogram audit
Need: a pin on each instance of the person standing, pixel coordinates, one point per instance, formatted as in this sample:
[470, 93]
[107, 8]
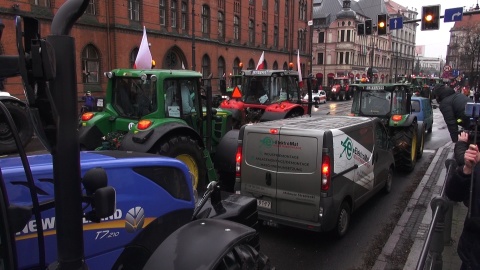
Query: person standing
[458, 188]
[452, 106]
[89, 101]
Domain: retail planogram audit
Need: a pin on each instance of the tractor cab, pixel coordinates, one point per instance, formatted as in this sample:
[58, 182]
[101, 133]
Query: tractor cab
[269, 89]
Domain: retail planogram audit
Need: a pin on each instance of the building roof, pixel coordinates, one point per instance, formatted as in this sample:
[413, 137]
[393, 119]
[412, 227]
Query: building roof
[331, 8]
[371, 8]
[466, 21]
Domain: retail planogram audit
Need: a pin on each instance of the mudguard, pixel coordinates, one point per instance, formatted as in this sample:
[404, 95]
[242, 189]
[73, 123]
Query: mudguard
[269, 116]
[184, 249]
[90, 137]
[224, 158]
[143, 141]
[408, 122]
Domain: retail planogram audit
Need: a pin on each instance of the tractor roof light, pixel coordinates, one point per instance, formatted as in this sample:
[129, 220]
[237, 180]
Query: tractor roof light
[143, 77]
[108, 74]
[153, 78]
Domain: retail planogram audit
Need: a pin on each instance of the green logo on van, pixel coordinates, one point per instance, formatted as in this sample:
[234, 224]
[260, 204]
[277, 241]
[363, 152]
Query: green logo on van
[267, 141]
[347, 148]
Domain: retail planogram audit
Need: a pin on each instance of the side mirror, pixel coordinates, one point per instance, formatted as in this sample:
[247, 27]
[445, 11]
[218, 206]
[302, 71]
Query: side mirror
[103, 202]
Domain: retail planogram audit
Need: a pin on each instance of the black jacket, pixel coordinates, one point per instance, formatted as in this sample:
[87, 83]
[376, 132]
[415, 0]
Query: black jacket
[458, 189]
[452, 106]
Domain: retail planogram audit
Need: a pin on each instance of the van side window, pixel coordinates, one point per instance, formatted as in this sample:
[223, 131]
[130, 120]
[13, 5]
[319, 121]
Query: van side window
[415, 106]
[381, 137]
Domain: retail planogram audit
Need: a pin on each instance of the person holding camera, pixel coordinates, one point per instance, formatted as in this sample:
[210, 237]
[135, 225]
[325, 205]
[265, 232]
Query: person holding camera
[458, 188]
[452, 106]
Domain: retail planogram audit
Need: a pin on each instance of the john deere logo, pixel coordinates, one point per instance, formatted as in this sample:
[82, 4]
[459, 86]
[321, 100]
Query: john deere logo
[134, 219]
[347, 148]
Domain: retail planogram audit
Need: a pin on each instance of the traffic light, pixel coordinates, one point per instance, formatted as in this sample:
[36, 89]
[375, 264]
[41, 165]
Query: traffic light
[431, 17]
[368, 27]
[382, 24]
[361, 29]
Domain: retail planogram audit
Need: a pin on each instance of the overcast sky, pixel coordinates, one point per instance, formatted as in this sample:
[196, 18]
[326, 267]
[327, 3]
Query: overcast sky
[435, 41]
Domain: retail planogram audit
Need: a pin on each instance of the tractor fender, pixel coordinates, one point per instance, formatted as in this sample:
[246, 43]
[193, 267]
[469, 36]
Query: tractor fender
[269, 116]
[224, 158]
[220, 236]
[89, 137]
[143, 141]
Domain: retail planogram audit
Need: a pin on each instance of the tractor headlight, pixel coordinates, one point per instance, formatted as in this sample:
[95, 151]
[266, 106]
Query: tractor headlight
[153, 78]
[143, 77]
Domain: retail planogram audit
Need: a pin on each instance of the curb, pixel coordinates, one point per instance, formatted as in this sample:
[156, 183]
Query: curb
[382, 260]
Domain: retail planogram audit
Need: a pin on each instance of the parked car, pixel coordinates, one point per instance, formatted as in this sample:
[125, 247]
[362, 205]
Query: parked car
[321, 94]
[422, 108]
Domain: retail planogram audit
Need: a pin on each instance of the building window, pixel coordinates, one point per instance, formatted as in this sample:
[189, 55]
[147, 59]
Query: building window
[236, 66]
[173, 14]
[236, 28]
[342, 36]
[251, 31]
[275, 6]
[221, 25]
[236, 6]
[206, 66]
[90, 64]
[251, 64]
[221, 4]
[251, 2]
[287, 5]
[91, 8]
[43, 3]
[133, 57]
[349, 33]
[321, 37]
[275, 36]
[221, 67]
[205, 19]
[162, 12]
[275, 65]
[319, 58]
[347, 58]
[264, 33]
[184, 15]
[134, 10]
[302, 11]
[285, 38]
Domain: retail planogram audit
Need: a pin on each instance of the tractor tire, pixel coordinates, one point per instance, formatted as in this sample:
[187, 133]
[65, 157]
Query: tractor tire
[405, 147]
[245, 257]
[421, 141]
[343, 220]
[23, 124]
[187, 150]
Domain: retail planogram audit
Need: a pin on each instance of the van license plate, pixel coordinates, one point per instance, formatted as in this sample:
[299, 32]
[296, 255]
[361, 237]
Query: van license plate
[264, 204]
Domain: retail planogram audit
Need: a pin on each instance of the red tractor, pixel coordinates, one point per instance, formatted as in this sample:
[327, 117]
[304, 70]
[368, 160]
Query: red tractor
[265, 95]
[340, 89]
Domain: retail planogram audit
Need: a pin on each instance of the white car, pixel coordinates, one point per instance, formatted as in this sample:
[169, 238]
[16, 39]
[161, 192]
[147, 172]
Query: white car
[321, 94]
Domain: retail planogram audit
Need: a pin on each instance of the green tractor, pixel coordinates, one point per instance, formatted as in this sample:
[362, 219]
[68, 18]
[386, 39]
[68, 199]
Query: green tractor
[166, 112]
[392, 104]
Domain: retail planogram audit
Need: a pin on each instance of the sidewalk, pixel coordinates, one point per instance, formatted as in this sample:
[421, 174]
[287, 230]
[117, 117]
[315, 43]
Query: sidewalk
[412, 228]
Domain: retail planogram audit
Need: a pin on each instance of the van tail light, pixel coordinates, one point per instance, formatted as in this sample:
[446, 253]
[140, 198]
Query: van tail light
[326, 172]
[238, 162]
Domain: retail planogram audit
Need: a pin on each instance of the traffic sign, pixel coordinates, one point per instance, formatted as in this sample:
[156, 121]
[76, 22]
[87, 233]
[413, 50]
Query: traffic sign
[447, 68]
[455, 72]
[395, 23]
[453, 14]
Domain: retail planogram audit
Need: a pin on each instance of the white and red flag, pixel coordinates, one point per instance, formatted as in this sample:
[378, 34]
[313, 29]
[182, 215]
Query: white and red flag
[261, 62]
[144, 57]
[300, 80]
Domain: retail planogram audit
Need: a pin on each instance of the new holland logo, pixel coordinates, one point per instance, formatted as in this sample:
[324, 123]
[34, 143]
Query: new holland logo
[134, 219]
[347, 148]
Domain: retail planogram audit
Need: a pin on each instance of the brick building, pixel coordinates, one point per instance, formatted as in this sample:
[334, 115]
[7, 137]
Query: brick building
[225, 34]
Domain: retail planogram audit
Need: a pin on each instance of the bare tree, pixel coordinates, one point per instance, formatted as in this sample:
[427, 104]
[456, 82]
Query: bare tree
[469, 50]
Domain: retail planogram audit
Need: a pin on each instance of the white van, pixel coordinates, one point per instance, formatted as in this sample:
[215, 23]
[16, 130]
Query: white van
[313, 172]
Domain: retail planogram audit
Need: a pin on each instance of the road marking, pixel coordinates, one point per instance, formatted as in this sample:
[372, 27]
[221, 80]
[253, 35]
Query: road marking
[429, 151]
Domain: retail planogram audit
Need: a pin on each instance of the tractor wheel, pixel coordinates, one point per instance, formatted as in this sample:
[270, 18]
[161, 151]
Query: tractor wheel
[421, 141]
[405, 146]
[187, 150]
[343, 220]
[24, 127]
[245, 257]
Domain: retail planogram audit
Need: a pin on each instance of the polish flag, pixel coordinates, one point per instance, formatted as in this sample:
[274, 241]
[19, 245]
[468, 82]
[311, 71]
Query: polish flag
[261, 61]
[300, 81]
[144, 57]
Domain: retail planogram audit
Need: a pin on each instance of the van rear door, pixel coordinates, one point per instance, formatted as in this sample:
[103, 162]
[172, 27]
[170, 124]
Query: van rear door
[298, 177]
[259, 165]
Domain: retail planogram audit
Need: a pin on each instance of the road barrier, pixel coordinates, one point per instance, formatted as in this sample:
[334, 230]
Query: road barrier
[439, 232]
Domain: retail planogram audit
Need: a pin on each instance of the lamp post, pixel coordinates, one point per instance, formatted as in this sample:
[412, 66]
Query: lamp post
[370, 70]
